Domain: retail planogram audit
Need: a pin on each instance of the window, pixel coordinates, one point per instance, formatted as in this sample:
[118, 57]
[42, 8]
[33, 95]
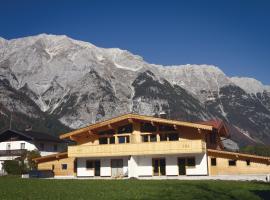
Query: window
[123, 139]
[153, 138]
[41, 146]
[8, 147]
[103, 140]
[55, 147]
[163, 137]
[145, 138]
[248, 162]
[148, 127]
[173, 136]
[22, 145]
[191, 162]
[213, 162]
[64, 166]
[52, 167]
[89, 164]
[112, 140]
[125, 129]
[232, 162]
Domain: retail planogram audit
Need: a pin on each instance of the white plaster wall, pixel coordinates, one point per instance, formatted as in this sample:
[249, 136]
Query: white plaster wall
[133, 166]
[145, 166]
[201, 166]
[17, 145]
[29, 145]
[171, 165]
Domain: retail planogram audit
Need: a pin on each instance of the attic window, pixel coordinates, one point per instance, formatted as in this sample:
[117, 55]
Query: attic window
[125, 129]
[213, 138]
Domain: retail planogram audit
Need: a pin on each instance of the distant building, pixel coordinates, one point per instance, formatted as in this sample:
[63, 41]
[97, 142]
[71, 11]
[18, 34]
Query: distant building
[14, 143]
[144, 146]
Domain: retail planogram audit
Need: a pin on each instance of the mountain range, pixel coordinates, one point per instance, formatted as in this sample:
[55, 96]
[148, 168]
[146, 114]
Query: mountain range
[55, 83]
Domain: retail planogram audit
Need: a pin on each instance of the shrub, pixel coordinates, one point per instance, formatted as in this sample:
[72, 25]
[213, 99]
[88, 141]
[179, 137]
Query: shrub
[13, 167]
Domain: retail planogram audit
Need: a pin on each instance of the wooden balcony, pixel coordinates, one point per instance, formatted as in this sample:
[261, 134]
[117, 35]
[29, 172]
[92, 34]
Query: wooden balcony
[14, 152]
[148, 148]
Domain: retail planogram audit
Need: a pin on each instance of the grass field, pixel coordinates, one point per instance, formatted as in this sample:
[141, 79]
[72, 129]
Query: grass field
[16, 188]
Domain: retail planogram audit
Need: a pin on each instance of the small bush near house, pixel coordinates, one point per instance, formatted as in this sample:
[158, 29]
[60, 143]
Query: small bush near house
[14, 167]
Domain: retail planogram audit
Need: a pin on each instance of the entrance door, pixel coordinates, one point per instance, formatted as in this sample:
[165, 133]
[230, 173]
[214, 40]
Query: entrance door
[97, 167]
[182, 166]
[117, 167]
[159, 166]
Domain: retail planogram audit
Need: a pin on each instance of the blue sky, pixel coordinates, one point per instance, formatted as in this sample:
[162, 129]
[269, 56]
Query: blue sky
[232, 34]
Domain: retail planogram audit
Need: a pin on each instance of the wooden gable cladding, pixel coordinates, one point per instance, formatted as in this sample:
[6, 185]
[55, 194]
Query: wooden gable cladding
[133, 118]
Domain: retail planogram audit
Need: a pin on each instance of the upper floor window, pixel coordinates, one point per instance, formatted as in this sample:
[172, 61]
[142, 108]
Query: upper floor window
[103, 140]
[149, 138]
[123, 139]
[107, 140]
[125, 129]
[173, 136]
[55, 148]
[148, 127]
[42, 146]
[22, 145]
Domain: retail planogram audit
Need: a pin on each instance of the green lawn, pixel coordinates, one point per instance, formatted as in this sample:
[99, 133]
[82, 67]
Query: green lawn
[16, 188]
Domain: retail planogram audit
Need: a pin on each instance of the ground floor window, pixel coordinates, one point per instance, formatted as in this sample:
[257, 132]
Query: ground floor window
[159, 166]
[232, 162]
[185, 162]
[248, 162]
[213, 162]
[64, 166]
[117, 167]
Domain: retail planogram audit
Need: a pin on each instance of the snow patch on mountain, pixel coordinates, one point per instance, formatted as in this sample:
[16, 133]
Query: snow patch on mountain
[250, 85]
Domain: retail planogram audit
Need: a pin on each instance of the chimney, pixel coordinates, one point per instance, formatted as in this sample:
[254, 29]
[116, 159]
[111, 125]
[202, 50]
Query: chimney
[163, 115]
[28, 128]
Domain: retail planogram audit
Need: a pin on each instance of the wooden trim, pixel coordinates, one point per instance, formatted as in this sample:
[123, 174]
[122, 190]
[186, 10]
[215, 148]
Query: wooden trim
[135, 117]
[56, 156]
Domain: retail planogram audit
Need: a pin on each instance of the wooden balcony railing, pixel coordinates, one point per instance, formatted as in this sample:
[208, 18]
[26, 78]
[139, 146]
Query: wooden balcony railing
[14, 152]
[148, 148]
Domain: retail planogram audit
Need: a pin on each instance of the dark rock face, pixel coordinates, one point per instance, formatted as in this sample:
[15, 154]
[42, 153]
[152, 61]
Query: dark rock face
[246, 113]
[153, 96]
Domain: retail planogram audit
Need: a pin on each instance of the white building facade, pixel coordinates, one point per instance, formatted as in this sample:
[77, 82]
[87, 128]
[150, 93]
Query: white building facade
[13, 144]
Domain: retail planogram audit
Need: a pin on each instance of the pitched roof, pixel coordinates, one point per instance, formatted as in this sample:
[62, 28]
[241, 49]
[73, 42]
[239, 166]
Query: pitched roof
[212, 152]
[30, 135]
[51, 157]
[217, 124]
[139, 118]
